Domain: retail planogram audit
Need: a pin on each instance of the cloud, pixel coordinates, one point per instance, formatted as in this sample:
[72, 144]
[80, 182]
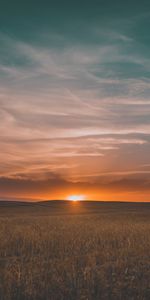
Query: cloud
[56, 185]
[66, 110]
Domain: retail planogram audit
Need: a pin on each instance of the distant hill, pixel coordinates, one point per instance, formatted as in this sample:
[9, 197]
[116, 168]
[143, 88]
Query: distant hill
[65, 207]
[15, 203]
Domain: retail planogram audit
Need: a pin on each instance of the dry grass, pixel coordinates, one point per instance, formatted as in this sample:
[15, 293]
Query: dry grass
[98, 255]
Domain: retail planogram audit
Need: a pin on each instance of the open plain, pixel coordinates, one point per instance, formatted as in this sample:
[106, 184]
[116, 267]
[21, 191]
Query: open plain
[62, 250]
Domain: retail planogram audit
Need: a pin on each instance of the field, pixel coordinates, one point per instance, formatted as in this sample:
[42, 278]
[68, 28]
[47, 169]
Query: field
[74, 251]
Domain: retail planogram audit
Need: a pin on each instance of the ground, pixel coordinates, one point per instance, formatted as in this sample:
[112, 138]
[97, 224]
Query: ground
[74, 251]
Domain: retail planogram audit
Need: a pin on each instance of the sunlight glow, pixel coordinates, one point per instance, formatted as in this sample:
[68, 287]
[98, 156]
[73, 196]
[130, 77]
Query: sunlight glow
[76, 197]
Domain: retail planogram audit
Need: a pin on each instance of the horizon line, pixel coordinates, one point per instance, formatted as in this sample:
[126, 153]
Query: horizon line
[36, 201]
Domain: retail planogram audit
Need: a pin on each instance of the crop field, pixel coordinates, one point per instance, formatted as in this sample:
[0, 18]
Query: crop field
[74, 251]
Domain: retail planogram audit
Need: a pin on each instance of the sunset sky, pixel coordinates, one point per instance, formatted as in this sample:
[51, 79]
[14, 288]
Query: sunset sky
[75, 99]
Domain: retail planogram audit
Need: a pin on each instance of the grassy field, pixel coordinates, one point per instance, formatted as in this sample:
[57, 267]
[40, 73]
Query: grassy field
[74, 251]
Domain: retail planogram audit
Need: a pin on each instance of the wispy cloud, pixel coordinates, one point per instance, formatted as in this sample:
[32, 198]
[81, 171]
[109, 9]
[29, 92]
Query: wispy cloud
[65, 107]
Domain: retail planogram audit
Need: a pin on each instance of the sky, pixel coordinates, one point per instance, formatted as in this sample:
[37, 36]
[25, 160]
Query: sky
[75, 99]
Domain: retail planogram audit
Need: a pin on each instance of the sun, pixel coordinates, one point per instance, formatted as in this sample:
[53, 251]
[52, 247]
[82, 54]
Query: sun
[76, 197]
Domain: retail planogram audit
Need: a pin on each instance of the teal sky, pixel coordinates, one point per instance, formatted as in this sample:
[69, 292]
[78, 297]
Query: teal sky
[75, 98]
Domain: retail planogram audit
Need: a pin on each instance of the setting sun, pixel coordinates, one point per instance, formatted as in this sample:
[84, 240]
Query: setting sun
[76, 197]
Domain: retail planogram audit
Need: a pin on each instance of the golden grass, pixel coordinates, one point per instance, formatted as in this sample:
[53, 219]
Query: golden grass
[103, 255]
